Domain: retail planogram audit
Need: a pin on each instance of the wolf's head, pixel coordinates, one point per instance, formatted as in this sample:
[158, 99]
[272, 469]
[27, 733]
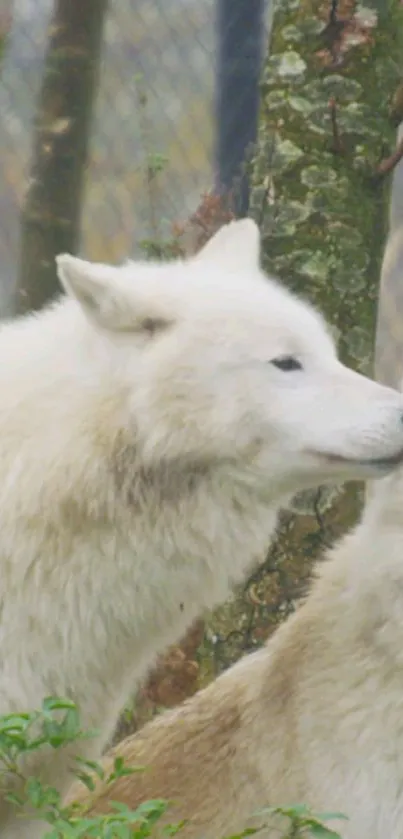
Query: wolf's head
[220, 364]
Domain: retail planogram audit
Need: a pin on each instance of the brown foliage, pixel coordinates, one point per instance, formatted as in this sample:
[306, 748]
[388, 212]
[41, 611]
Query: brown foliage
[174, 678]
[211, 214]
[344, 29]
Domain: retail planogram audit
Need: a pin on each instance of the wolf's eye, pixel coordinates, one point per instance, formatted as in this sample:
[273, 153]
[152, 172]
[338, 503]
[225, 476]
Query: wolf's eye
[287, 363]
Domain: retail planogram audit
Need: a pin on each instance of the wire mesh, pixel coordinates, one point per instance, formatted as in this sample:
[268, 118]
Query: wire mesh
[154, 108]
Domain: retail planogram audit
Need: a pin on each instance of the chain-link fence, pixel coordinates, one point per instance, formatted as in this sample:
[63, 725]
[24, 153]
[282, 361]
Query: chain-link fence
[171, 72]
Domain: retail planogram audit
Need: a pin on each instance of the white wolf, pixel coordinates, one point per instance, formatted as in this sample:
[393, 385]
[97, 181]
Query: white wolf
[316, 717]
[150, 427]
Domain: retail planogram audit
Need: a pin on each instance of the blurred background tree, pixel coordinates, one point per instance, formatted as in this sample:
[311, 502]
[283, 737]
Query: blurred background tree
[51, 214]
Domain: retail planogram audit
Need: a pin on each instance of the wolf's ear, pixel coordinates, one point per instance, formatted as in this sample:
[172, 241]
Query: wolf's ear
[107, 298]
[235, 245]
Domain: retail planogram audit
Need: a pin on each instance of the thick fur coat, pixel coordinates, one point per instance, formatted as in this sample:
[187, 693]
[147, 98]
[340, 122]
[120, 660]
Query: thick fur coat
[316, 717]
[152, 422]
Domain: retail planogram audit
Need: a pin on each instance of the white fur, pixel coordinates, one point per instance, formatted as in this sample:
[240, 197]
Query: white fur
[146, 443]
[315, 717]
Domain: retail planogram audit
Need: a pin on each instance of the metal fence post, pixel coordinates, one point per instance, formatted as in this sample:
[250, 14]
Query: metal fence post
[240, 34]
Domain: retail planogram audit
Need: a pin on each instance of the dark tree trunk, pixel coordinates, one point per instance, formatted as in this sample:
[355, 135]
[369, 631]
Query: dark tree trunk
[51, 213]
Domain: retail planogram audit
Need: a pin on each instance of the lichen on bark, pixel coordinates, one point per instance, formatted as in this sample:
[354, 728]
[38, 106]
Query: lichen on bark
[320, 177]
[320, 193]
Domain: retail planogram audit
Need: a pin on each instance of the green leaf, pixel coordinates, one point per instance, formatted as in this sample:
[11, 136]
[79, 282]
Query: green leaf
[310, 26]
[275, 99]
[301, 105]
[292, 33]
[345, 89]
[286, 154]
[64, 828]
[15, 723]
[314, 176]
[330, 201]
[368, 14]
[357, 342]
[86, 779]
[349, 278]
[319, 120]
[319, 831]
[17, 800]
[120, 770]
[287, 65]
[292, 812]
[284, 6]
[289, 217]
[317, 266]
[173, 829]
[327, 817]
[118, 831]
[356, 118]
[291, 65]
[249, 831]
[34, 792]
[315, 92]
[295, 811]
[150, 810]
[348, 236]
[56, 703]
[93, 765]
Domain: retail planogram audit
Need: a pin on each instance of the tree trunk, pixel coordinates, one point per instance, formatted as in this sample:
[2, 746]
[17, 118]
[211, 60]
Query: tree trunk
[51, 213]
[321, 189]
[389, 338]
[322, 185]
[320, 192]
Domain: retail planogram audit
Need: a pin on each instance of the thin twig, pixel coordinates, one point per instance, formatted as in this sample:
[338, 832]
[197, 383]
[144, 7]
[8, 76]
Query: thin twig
[388, 163]
[333, 11]
[338, 145]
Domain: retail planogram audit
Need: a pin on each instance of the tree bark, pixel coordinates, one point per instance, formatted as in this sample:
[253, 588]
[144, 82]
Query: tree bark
[389, 335]
[322, 175]
[52, 208]
[320, 193]
[322, 169]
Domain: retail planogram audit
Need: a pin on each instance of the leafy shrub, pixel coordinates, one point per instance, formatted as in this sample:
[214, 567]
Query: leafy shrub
[56, 725]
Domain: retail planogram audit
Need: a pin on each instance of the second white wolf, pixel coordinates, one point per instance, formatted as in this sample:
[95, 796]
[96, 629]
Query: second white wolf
[314, 718]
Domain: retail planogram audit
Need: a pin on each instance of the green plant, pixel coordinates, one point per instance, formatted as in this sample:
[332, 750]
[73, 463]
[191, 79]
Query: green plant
[155, 165]
[304, 823]
[56, 725]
